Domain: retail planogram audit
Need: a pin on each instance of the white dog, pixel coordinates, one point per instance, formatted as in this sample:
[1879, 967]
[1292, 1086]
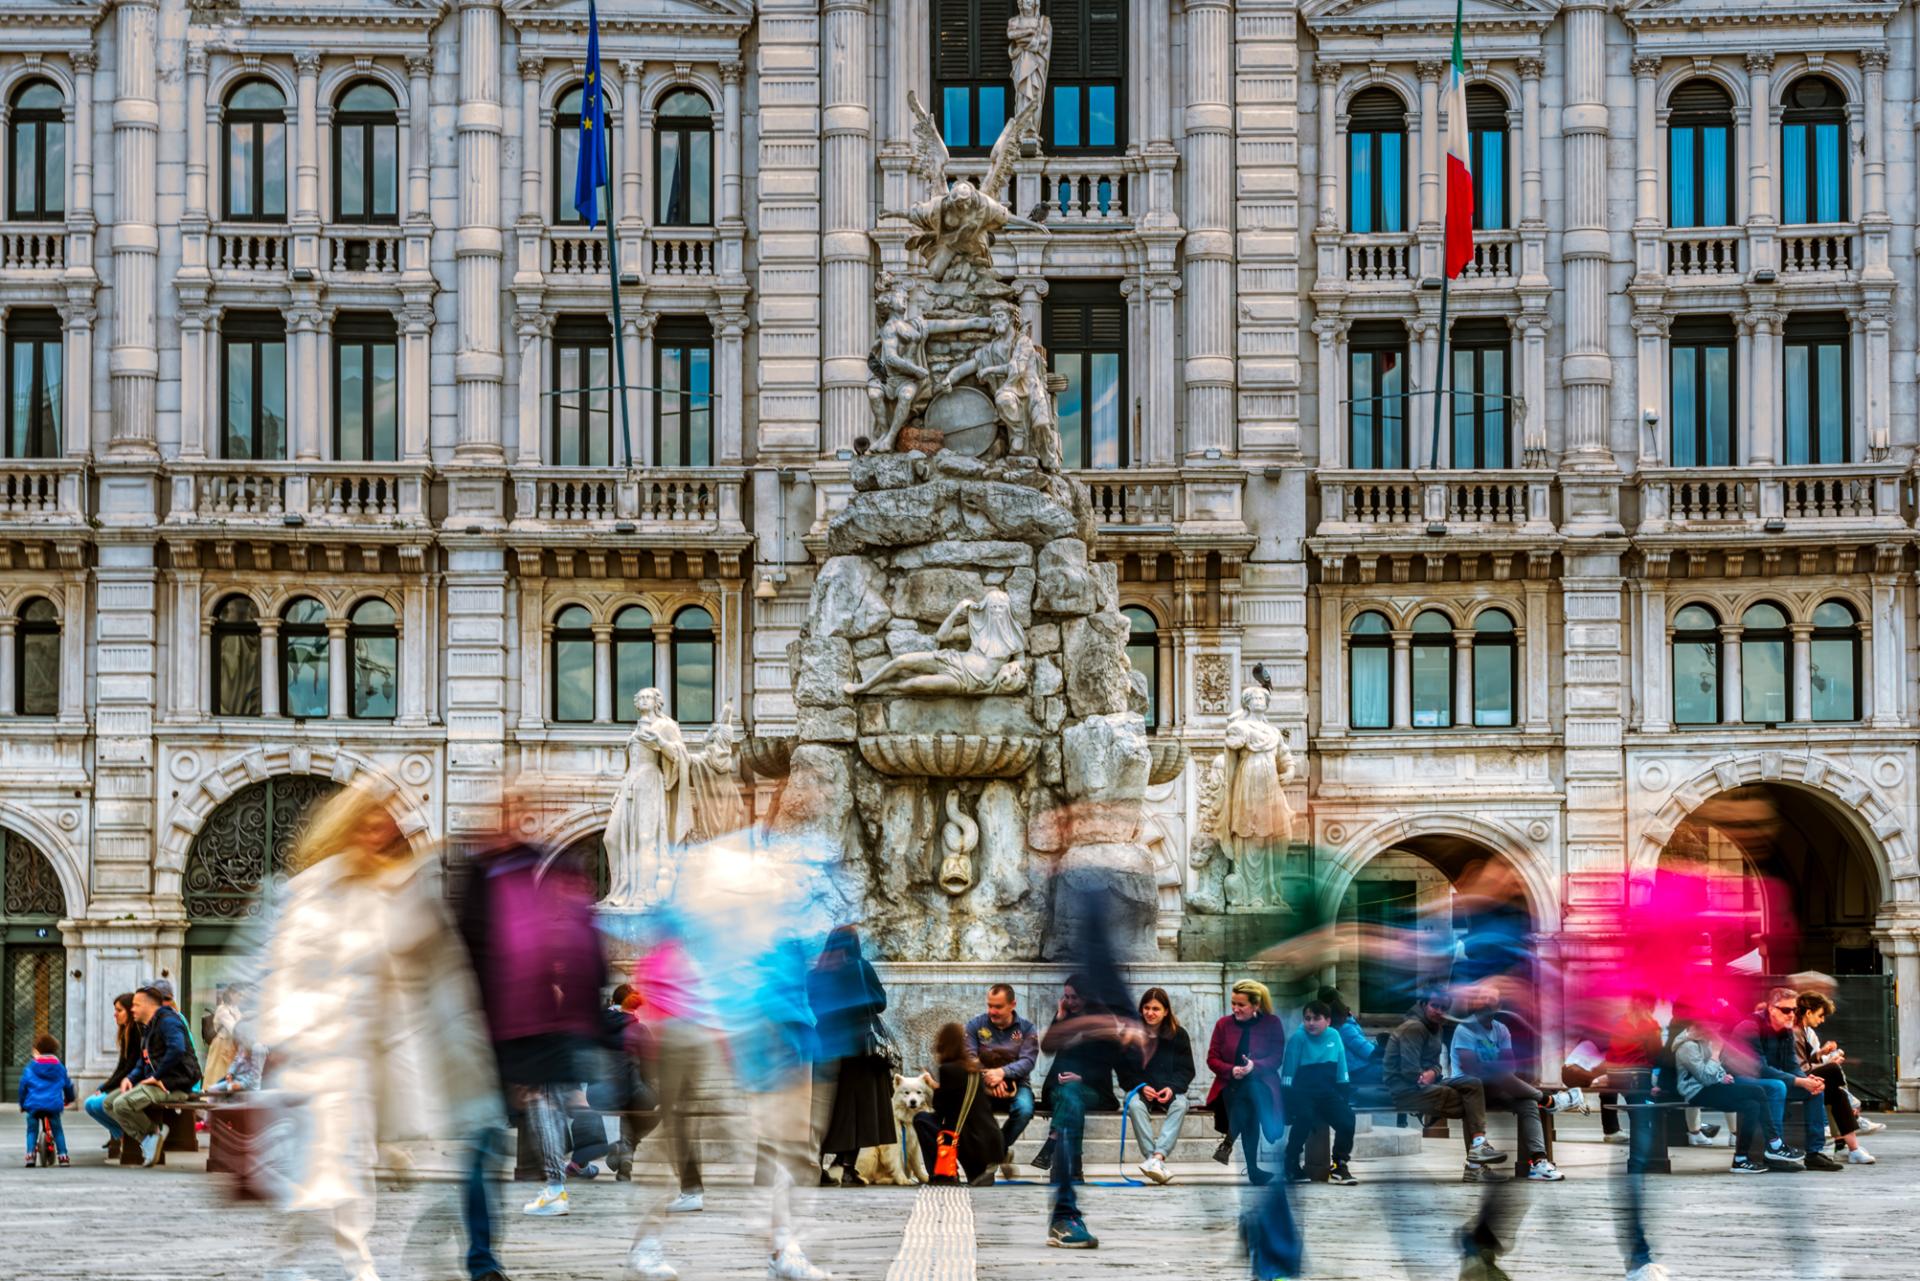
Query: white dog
[911, 1096]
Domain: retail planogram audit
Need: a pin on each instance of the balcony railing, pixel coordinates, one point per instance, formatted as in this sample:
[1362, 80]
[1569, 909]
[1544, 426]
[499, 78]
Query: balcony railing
[1703, 251]
[1134, 496]
[273, 493]
[1493, 255]
[370, 251]
[1491, 500]
[679, 251]
[1756, 498]
[686, 498]
[576, 251]
[250, 249]
[40, 490]
[33, 247]
[1092, 191]
[1816, 250]
[1386, 259]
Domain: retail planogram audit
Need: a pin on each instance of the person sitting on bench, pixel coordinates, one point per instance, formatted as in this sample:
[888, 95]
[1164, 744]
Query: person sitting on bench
[1313, 1078]
[167, 1067]
[1411, 1073]
[1483, 1049]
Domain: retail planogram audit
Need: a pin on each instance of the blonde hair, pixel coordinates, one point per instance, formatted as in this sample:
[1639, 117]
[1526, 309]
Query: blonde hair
[335, 830]
[1257, 993]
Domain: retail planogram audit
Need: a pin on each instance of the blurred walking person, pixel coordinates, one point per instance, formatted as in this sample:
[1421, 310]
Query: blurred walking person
[370, 1008]
[853, 1081]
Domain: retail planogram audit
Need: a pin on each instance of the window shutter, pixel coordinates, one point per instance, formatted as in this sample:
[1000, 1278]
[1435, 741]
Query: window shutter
[1376, 110]
[1087, 316]
[1818, 326]
[1106, 39]
[1486, 109]
[990, 40]
[1702, 329]
[1106, 325]
[953, 40]
[970, 41]
[1700, 102]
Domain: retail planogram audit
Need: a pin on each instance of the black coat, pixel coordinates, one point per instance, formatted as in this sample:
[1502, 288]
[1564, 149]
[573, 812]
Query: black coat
[129, 1055]
[1169, 1067]
[166, 1053]
[981, 1144]
[1096, 1061]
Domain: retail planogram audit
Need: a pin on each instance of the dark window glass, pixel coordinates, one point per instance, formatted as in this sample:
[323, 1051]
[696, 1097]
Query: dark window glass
[633, 659]
[1478, 390]
[1702, 354]
[583, 392]
[1835, 663]
[1487, 156]
[683, 160]
[1700, 177]
[1493, 668]
[693, 657]
[1696, 667]
[566, 155]
[1376, 396]
[305, 663]
[1143, 651]
[236, 658]
[1085, 332]
[1765, 697]
[253, 377]
[373, 645]
[1819, 390]
[1376, 162]
[36, 670]
[1813, 152]
[1370, 657]
[683, 403]
[366, 389]
[573, 665]
[37, 150]
[254, 127]
[366, 155]
[36, 383]
[1432, 671]
[1086, 79]
[972, 89]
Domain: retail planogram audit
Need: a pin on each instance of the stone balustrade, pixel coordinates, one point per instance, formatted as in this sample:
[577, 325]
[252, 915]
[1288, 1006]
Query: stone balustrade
[1133, 496]
[39, 490]
[1814, 250]
[689, 498]
[1386, 259]
[249, 249]
[1703, 251]
[1771, 499]
[679, 251]
[1493, 255]
[1498, 499]
[372, 251]
[33, 247]
[1089, 191]
[273, 493]
[576, 251]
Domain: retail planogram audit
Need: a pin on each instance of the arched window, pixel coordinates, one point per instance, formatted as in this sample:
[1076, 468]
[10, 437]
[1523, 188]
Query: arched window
[1493, 668]
[366, 155]
[304, 660]
[1696, 667]
[37, 154]
[1370, 671]
[36, 660]
[1376, 162]
[573, 665]
[1818, 388]
[633, 659]
[1143, 651]
[683, 159]
[566, 154]
[693, 666]
[1377, 395]
[1487, 142]
[236, 658]
[1765, 698]
[1834, 663]
[36, 383]
[1700, 178]
[1432, 670]
[254, 133]
[1813, 152]
[373, 641]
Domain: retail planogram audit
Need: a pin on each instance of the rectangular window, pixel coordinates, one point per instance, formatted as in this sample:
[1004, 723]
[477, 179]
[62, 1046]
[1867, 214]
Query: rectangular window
[236, 673]
[683, 405]
[1696, 682]
[1376, 397]
[1493, 684]
[972, 91]
[1376, 165]
[582, 400]
[253, 373]
[1490, 179]
[1813, 172]
[1085, 331]
[1818, 388]
[1372, 686]
[1833, 660]
[1086, 77]
[1699, 176]
[1702, 369]
[35, 384]
[1478, 394]
[366, 389]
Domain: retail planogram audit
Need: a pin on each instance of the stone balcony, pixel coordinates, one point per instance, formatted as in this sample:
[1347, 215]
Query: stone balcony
[259, 252]
[372, 254]
[1077, 193]
[1387, 261]
[216, 496]
[33, 250]
[1361, 503]
[1851, 501]
[43, 504]
[1818, 252]
[1704, 255]
[1155, 508]
[652, 510]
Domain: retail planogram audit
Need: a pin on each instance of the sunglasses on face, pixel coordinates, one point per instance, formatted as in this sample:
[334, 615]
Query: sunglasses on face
[1783, 1009]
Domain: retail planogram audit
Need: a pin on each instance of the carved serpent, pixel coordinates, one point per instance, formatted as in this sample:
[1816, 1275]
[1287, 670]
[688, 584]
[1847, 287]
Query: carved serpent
[958, 837]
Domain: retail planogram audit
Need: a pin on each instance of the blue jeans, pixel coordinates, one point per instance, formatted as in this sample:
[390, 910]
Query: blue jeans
[1069, 1125]
[476, 1203]
[96, 1106]
[33, 1132]
[1019, 1110]
[1776, 1095]
[1643, 1128]
[1273, 1241]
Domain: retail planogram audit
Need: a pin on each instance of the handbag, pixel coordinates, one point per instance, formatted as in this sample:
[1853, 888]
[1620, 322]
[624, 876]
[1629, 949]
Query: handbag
[946, 1153]
[883, 1043]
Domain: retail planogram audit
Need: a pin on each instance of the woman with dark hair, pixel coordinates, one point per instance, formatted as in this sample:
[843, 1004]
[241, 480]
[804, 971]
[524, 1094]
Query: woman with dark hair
[1363, 1056]
[1155, 1076]
[853, 1082]
[1824, 1059]
[980, 1145]
[127, 1032]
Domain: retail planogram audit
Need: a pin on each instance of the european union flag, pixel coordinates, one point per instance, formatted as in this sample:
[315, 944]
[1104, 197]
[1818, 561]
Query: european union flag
[593, 130]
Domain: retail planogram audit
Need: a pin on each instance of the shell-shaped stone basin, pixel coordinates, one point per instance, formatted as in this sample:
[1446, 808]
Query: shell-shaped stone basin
[768, 755]
[1168, 758]
[950, 755]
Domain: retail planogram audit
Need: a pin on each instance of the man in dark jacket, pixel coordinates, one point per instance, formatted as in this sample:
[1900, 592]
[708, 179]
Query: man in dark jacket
[1769, 1036]
[167, 1069]
[1411, 1073]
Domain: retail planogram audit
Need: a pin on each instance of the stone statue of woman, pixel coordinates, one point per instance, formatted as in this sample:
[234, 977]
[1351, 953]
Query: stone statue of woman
[716, 794]
[1253, 820]
[652, 811]
[1030, 48]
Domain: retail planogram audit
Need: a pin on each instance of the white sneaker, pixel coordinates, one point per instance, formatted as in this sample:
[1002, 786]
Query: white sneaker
[1868, 1126]
[791, 1265]
[1860, 1156]
[1648, 1272]
[688, 1203]
[1156, 1169]
[648, 1261]
[1565, 1101]
[1698, 1140]
[1484, 1153]
[1618, 1136]
[550, 1202]
[1542, 1170]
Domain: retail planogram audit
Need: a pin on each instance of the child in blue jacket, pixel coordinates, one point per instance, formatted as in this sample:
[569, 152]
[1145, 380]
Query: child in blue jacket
[45, 1091]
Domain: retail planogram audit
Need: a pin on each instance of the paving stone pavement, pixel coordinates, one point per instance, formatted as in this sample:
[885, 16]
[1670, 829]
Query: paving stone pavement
[176, 1224]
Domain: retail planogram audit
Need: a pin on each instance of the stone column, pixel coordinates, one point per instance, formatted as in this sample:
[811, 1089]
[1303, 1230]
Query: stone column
[632, 211]
[1209, 244]
[1431, 201]
[733, 140]
[133, 364]
[305, 354]
[1760, 151]
[1326, 74]
[1535, 643]
[338, 669]
[639, 374]
[1531, 70]
[419, 138]
[1763, 422]
[80, 147]
[532, 328]
[479, 367]
[1656, 699]
[1904, 945]
[1731, 712]
[1889, 652]
[416, 379]
[533, 213]
[1329, 330]
[602, 673]
[1802, 672]
[1402, 680]
[416, 642]
[1533, 383]
[1423, 448]
[1463, 678]
[7, 650]
[730, 330]
[1586, 371]
[846, 194]
[306, 170]
[1646, 172]
[1650, 333]
[643, 421]
[270, 667]
[1162, 444]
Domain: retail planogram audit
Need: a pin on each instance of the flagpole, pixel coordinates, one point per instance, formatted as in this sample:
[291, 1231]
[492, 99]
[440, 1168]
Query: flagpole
[1440, 364]
[619, 330]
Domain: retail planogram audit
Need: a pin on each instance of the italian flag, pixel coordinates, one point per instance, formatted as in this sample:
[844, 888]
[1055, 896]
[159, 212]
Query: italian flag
[1459, 170]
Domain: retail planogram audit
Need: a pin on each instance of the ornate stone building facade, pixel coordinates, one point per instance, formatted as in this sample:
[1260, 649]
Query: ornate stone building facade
[314, 464]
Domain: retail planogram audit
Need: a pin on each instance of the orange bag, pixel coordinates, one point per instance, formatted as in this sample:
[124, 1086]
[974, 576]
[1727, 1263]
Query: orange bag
[946, 1144]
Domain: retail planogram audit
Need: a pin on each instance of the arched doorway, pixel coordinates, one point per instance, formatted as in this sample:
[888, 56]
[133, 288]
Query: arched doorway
[1796, 888]
[33, 958]
[589, 854]
[234, 868]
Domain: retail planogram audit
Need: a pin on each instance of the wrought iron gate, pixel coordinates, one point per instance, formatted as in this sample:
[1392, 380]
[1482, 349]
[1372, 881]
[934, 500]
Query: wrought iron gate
[35, 1000]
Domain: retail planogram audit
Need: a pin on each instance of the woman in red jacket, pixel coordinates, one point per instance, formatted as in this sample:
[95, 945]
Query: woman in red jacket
[1245, 1055]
